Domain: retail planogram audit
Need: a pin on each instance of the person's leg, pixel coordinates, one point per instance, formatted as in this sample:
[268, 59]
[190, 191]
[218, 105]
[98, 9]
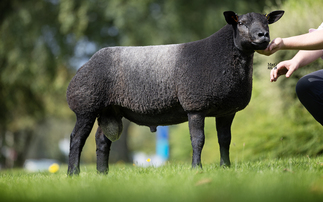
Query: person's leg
[309, 90]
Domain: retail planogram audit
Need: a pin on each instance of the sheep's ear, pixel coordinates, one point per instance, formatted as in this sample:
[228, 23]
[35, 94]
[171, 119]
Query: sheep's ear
[274, 16]
[231, 17]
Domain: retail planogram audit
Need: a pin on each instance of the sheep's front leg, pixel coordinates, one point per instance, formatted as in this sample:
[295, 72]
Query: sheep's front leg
[79, 135]
[223, 126]
[103, 145]
[196, 127]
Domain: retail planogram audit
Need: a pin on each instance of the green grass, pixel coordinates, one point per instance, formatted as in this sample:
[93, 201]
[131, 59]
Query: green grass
[293, 179]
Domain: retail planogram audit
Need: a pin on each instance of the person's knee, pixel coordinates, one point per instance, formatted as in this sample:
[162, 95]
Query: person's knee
[303, 87]
[310, 87]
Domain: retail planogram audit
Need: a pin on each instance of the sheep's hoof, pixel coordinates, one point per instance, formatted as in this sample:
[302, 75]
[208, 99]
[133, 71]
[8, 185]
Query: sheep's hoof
[197, 167]
[225, 165]
[103, 172]
[73, 172]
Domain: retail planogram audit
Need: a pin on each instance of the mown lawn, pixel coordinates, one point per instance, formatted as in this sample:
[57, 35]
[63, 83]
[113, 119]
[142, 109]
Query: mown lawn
[293, 179]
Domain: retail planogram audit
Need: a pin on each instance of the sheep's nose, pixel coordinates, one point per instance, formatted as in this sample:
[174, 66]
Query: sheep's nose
[263, 34]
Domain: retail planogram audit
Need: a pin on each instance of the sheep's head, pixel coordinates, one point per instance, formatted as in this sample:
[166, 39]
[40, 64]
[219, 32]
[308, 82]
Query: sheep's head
[251, 30]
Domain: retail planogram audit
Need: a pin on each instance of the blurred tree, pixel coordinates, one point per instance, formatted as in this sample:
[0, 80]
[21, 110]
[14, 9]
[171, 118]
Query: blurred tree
[33, 73]
[44, 41]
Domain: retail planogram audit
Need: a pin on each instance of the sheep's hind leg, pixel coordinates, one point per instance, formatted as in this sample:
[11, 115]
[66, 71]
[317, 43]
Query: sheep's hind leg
[79, 135]
[110, 129]
[103, 145]
[223, 126]
[196, 127]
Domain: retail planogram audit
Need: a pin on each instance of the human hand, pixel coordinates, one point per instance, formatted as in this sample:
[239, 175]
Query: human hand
[274, 46]
[286, 67]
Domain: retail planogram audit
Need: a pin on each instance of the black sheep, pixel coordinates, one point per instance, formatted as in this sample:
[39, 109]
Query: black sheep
[168, 84]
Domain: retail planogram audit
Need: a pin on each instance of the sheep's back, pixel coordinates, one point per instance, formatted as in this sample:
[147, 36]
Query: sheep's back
[136, 78]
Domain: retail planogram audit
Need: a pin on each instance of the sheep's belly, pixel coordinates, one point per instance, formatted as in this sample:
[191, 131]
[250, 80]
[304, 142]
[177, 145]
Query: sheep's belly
[169, 117]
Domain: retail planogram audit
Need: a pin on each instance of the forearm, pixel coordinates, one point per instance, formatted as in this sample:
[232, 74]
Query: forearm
[305, 57]
[310, 41]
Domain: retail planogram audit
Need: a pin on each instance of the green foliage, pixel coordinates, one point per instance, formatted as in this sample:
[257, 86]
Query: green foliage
[33, 77]
[293, 179]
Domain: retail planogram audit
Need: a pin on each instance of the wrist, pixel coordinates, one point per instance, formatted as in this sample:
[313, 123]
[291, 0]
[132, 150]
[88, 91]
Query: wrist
[296, 61]
[282, 45]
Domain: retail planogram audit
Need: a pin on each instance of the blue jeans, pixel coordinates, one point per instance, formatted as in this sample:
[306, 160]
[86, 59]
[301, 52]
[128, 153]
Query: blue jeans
[309, 90]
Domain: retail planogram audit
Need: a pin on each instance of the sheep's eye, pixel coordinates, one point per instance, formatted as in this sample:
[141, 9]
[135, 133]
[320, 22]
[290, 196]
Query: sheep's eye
[240, 23]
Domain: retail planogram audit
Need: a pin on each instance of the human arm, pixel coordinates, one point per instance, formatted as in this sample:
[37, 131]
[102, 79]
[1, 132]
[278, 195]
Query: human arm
[309, 41]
